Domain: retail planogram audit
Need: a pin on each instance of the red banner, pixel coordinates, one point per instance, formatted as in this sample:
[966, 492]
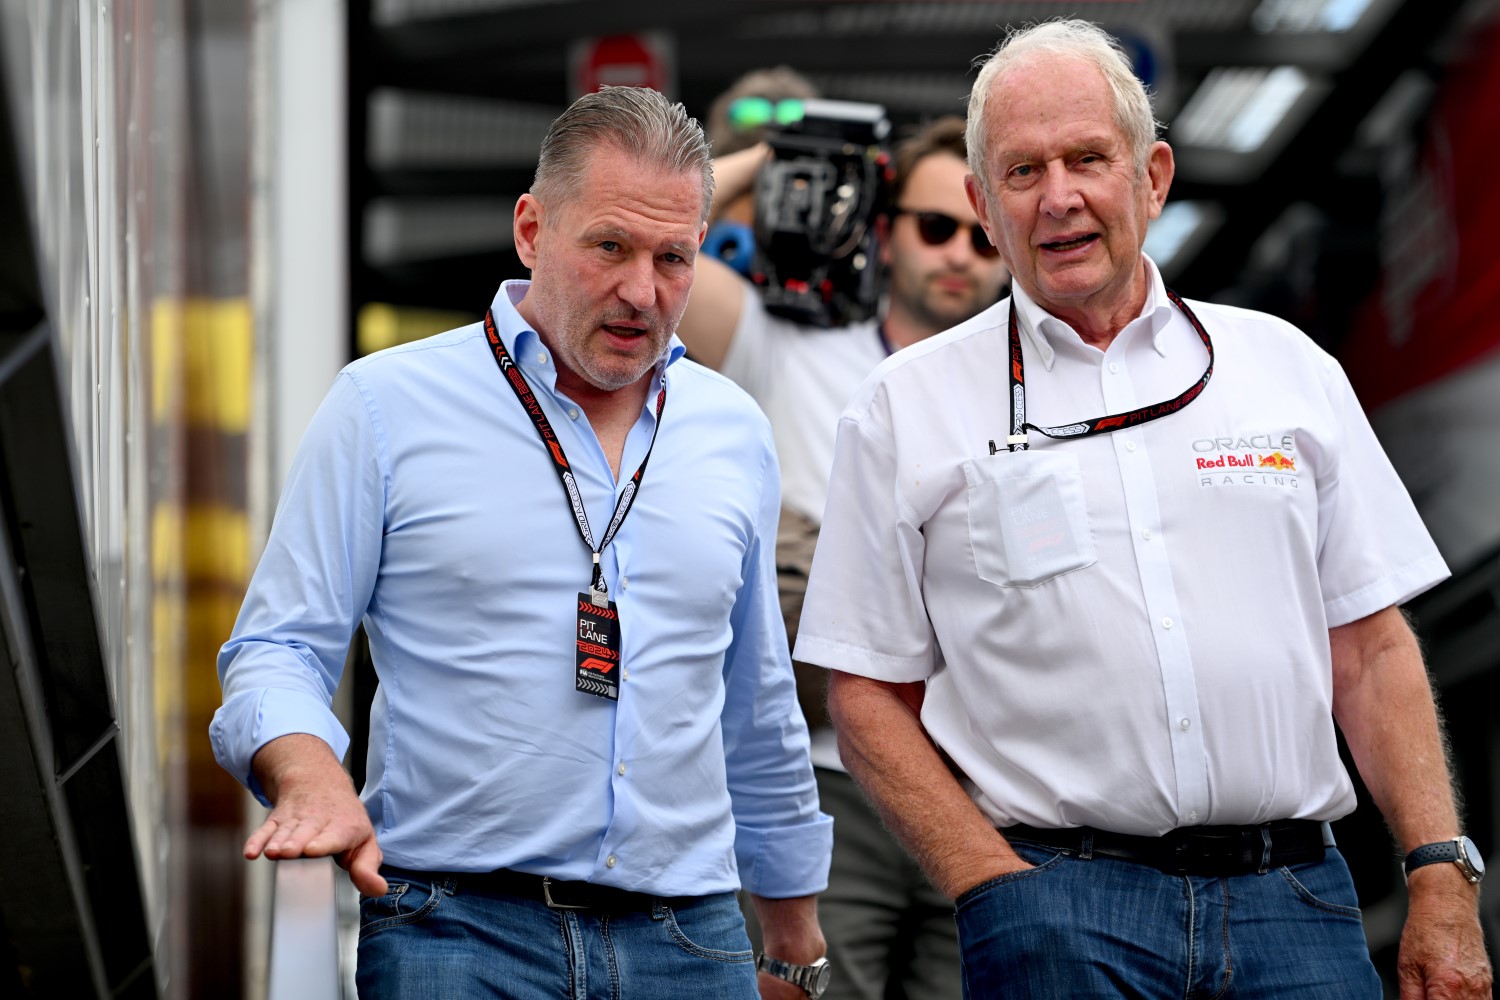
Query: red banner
[1437, 306]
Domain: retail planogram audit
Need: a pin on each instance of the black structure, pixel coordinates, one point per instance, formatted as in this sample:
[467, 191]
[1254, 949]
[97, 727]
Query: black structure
[520, 54]
[73, 913]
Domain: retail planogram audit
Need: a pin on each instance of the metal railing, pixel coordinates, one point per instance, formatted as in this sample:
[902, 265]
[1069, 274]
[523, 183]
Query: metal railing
[305, 953]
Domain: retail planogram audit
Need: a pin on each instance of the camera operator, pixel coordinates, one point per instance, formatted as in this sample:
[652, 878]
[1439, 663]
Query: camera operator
[890, 933]
[761, 101]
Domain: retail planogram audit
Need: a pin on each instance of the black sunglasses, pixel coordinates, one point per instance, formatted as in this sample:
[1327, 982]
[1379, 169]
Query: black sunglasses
[935, 228]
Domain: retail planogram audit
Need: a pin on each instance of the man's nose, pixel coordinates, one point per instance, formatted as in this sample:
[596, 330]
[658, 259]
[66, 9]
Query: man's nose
[1059, 192]
[638, 283]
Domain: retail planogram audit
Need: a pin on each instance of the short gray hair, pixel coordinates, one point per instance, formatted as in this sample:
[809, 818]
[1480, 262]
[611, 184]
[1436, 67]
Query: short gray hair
[638, 122]
[1069, 37]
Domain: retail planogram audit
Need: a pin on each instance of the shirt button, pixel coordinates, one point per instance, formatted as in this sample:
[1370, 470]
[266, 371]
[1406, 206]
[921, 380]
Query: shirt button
[1186, 724]
[1114, 369]
[1130, 446]
[1146, 534]
[621, 768]
[572, 414]
[541, 359]
[1166, 623]
[624, 583]
[1193, 816]
[624, 674]
[609, 862]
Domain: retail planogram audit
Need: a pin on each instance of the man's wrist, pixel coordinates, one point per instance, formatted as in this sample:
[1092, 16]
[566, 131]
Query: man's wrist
[790, 929]
[804, 954]
[1457, 853]
[812, 977]
[1441, 880]
[976, 872]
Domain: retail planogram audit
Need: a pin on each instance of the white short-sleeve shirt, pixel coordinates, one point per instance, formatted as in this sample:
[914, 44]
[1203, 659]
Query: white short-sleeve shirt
[802, 377]
[1127, 631]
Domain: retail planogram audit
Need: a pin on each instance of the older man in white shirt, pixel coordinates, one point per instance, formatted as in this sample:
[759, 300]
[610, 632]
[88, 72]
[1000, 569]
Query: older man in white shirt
[1099, 570]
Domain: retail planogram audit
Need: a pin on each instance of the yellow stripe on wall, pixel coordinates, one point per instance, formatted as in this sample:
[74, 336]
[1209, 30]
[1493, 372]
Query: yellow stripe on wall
[216, 545]
[381, 325]
[219, 343]
[166, 359]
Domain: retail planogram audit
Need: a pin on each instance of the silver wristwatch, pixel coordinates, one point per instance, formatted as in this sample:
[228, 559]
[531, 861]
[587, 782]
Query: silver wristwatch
[1460, 851]
[812, 978]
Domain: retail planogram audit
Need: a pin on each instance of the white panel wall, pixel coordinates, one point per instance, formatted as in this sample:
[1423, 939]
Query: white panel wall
[308, 266]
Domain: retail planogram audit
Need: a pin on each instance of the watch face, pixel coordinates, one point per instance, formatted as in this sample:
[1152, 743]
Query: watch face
[820, 977]
[1469, 851]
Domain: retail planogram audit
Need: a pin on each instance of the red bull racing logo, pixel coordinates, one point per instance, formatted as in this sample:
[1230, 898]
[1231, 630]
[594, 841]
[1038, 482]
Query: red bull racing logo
[1247, 460]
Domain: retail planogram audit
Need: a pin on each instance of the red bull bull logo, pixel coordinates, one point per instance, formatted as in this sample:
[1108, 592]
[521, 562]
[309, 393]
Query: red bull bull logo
[1278, 462]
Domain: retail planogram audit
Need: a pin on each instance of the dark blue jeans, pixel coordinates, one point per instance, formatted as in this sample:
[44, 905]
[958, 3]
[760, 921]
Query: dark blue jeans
[1070, 929]
[436, 941]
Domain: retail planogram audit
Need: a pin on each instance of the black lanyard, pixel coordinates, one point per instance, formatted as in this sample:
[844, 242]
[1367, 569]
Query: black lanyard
[517, 382]
[1099, 425]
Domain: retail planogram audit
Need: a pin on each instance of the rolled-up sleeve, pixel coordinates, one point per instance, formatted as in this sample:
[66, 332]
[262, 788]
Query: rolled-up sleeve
[282, 663]
[783, 843]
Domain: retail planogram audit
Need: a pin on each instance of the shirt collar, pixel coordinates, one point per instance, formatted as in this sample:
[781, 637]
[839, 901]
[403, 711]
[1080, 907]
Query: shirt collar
[1041, 327]
[526, 346]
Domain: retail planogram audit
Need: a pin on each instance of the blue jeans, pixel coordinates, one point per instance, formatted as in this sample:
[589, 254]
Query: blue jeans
[428, 940]
[1072, 928]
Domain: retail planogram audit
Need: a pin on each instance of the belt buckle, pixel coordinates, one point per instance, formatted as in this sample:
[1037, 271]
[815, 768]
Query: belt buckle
[1179, 856]
[1193, 853]
[553, 904]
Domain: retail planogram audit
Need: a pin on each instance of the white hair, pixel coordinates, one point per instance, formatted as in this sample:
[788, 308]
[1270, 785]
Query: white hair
[1070, 37]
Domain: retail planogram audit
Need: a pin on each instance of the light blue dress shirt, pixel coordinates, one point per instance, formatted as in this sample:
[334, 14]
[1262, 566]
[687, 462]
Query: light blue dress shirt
[423, 503]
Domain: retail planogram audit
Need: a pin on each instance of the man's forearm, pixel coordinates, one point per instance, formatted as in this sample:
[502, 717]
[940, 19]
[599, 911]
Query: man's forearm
[1384, 706]
[734, 175]
[885, 748]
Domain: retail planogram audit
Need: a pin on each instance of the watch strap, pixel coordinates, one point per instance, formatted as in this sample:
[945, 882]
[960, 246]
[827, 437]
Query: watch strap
[802, 976]
[1460, 851]
[778, 968]
[1431, 854]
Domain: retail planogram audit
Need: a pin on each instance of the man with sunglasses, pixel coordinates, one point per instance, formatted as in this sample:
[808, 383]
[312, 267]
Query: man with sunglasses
[1099, 571]
[890, 934]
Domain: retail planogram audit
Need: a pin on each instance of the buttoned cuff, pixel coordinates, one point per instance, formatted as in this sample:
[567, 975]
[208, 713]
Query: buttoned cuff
[785, 862]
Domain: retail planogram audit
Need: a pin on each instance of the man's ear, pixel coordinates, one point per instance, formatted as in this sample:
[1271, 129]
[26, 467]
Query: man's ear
[980, 203]
[1161, 167]
[525, 226]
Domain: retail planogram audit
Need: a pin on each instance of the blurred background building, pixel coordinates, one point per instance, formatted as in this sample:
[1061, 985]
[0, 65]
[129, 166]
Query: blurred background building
[208, 206]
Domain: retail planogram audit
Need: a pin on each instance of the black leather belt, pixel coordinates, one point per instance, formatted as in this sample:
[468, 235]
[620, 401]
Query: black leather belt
[1195, 850]
[557, 895]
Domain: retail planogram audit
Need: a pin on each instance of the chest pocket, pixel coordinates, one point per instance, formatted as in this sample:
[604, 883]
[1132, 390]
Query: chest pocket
[1028, 521]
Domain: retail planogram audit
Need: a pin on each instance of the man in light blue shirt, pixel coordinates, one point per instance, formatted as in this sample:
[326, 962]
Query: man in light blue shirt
[586, 734]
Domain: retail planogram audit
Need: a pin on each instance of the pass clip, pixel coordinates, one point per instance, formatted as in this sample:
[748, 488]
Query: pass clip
[598, 590]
